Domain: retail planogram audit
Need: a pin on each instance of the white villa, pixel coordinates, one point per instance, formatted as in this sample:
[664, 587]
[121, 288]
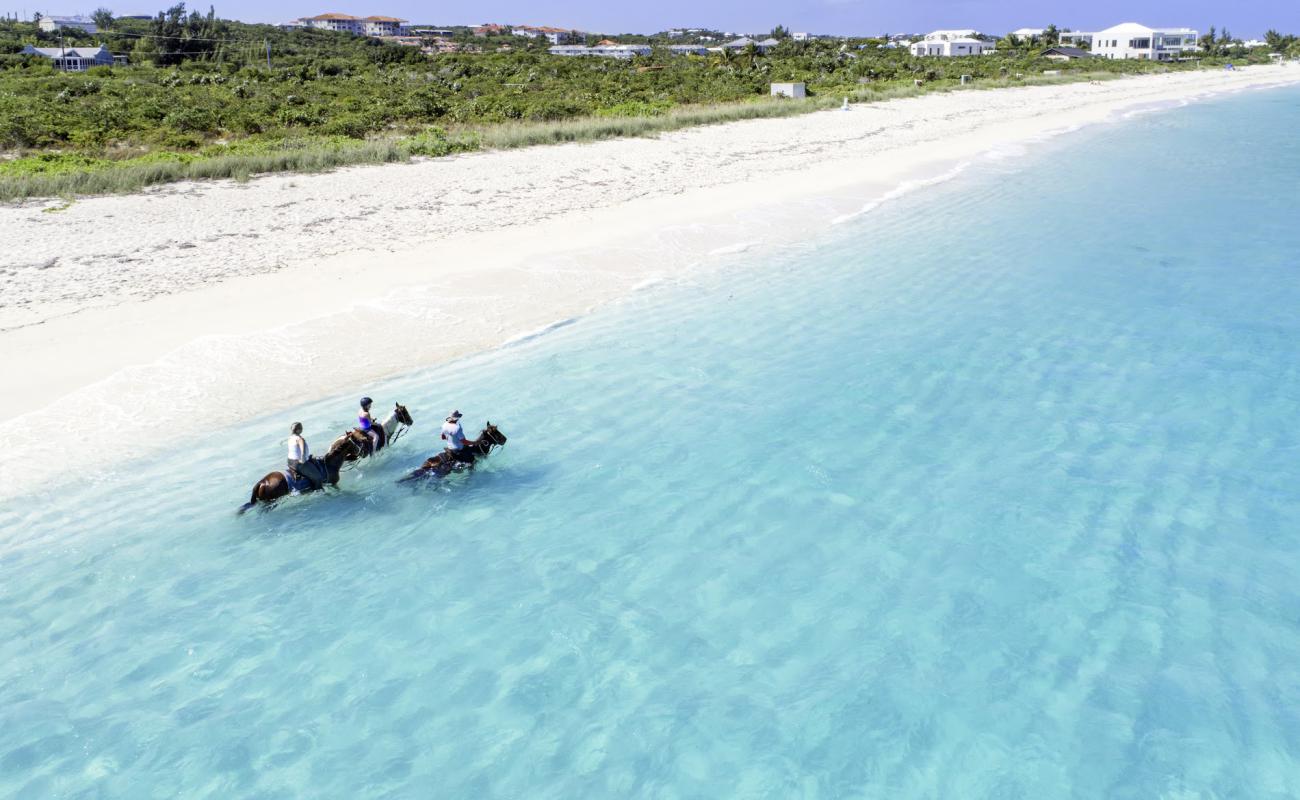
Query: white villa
[73, 59]
[1028, 33]
[361, 26]
[603, 50]
[1075, 38]
[950, 43]
[1131, 40]
[52, 24]
[552, 35]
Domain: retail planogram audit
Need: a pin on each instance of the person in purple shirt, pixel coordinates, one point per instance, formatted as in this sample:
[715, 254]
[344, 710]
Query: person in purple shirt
[367, 423]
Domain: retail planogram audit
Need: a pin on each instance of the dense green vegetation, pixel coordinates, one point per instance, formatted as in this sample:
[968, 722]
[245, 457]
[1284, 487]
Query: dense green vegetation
[198, 99]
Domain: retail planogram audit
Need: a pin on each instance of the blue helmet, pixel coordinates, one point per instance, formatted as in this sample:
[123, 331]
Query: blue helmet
[365, 402]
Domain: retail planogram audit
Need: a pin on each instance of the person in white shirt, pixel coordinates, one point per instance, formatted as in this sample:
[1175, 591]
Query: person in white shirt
[453, 439]
[298, 450]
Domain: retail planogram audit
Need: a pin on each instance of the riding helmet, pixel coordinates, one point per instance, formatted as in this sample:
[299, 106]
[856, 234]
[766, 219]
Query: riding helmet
[365, 402]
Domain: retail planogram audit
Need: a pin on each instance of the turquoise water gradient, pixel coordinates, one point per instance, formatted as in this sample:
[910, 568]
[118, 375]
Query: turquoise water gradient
[993, 492]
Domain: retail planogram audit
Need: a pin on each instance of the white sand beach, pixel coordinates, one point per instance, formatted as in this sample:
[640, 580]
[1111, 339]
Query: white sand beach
[145, 318]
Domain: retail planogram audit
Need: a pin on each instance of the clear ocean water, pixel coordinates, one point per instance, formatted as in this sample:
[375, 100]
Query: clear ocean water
[991, 493]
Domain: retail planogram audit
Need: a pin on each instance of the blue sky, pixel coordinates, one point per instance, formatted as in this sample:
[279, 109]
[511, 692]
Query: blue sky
[1245, 18]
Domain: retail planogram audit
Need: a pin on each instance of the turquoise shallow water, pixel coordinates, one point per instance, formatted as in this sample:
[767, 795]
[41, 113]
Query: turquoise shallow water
[994, 492]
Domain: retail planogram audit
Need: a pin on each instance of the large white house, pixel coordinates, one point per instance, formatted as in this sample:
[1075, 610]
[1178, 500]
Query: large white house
[1131, 40]
[73, 59]
[52, 24]
[950, 43]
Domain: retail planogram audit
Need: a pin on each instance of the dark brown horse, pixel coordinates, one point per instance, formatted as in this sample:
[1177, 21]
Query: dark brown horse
[394, 425]
[276, 485]
[442, 465]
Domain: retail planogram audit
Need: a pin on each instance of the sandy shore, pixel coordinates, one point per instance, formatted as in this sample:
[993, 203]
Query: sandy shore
[194, 306]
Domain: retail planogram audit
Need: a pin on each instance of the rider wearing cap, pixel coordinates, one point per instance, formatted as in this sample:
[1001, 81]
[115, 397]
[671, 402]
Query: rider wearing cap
[367, 423]
[453, 439]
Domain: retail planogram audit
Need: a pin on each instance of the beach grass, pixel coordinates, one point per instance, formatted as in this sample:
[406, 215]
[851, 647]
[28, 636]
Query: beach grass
[73, 175]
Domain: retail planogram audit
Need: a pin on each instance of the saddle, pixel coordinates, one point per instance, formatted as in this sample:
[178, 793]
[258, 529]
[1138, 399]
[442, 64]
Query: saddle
[311, 475]
[368, 445]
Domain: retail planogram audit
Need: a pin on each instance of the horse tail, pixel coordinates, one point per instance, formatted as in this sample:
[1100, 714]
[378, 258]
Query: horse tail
[252, 501]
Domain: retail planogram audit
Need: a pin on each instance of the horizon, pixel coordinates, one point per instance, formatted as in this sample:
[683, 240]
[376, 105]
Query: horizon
[825, 17]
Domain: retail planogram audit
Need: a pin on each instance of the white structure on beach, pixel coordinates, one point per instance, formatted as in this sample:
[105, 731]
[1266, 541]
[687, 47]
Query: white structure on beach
[52, 24]
[950, 43]
[73, 59]
[795, 90]
[1028, 33]
[1131, 40]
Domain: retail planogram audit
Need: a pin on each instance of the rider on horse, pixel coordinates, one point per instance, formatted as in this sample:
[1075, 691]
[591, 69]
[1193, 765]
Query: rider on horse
[367, 424]
[453, 438]
[304, 472]
[298, 450]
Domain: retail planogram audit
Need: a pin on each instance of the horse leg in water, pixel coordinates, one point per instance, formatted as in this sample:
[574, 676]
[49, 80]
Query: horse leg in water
[267, 490]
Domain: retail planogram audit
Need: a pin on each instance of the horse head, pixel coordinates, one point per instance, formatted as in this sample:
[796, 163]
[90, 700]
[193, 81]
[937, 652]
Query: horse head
[493, 435]
[344, 448]
[404, 416]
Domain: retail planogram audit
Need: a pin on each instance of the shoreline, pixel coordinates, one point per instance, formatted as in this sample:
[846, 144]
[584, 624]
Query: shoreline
[214, 324]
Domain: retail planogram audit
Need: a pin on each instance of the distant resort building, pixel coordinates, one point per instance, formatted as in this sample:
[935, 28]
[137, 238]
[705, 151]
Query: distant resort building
[53, 23]
[74, 59]
[552, 35]
[949, 44]
[606, 49]
[1134, 41]
[360, 26]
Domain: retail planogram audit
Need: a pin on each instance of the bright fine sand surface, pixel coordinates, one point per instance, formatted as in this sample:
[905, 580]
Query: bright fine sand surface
[134, 321]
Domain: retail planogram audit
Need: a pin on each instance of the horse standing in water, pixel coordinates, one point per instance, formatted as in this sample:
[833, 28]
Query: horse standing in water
[442, 465]
[276, 484]
[393, 426]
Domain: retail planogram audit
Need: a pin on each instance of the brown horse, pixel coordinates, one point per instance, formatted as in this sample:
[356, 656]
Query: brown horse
[442, 465]
[276, 485]
[393, 426]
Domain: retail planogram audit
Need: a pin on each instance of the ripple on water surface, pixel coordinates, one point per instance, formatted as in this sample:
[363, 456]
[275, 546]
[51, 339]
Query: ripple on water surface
[990, 494]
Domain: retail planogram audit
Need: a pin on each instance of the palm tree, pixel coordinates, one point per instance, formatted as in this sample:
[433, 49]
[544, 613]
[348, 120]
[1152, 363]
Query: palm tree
[1051, 36]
